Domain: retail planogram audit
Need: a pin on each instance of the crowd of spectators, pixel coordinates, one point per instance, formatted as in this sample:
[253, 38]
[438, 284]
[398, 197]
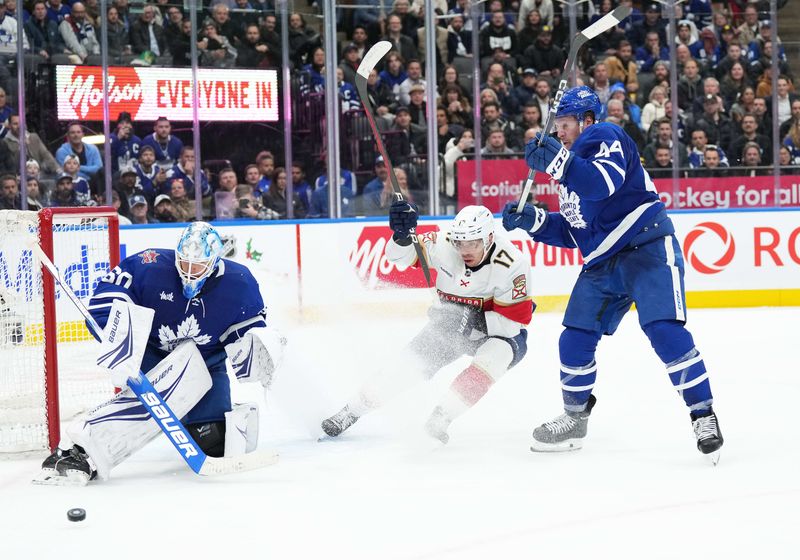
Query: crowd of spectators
[724, 97]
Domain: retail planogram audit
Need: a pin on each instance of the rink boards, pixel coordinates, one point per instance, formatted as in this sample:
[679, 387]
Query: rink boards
[733, 259]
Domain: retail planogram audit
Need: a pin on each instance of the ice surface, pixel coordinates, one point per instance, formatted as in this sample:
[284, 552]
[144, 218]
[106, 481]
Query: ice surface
[638, 489]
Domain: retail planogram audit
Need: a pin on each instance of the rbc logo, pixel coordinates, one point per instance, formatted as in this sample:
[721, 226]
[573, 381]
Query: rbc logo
[707, 265]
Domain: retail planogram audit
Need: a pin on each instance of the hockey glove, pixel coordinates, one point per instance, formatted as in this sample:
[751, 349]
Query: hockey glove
[402, 218]
[472, 319]
[532, 219]
[551, 157]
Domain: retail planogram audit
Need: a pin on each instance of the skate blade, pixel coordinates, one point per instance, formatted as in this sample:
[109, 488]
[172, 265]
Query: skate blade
[51, 477]
[568, 445]
[713, 458]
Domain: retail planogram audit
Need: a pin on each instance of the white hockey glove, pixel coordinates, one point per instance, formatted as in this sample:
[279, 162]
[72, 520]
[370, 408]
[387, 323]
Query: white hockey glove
[256, 355]
[123, 341]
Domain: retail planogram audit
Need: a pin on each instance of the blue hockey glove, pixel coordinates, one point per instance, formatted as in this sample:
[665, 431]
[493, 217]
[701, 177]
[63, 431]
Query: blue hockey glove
[402, 218]
[531, 219]
[551, 157]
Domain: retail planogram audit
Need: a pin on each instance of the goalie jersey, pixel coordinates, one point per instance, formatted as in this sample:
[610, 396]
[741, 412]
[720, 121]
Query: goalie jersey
[228, 305]
[499, 285]
[607, 201]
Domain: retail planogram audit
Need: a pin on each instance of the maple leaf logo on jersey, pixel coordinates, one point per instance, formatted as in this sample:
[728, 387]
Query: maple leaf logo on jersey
[148, 256]
[569, 205]
[188, 328]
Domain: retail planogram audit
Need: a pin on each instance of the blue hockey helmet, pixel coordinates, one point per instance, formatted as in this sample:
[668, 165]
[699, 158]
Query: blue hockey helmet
[578, 101]
[197, 256]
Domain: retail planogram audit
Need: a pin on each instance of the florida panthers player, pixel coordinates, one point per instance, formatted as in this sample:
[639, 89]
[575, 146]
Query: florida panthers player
[483, 308]
[189, 309]
[610, 210]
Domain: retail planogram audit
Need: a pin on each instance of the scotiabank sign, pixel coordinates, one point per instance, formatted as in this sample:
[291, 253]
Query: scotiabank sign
[149, 93]
[502, 180]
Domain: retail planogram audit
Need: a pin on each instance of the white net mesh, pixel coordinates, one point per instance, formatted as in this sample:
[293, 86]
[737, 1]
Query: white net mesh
[81, 253]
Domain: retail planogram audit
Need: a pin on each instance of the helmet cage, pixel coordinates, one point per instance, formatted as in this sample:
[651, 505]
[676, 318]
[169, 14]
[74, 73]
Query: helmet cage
[197, 256]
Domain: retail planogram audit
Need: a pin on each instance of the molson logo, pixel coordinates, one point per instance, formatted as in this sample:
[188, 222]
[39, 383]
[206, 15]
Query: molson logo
[707, 265]
[83, 92]
[374, 268]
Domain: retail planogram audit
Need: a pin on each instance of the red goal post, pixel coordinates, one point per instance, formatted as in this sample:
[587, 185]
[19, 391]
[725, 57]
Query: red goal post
[47, 371]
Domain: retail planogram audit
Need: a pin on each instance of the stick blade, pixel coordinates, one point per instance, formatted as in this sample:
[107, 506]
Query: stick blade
[606, 22]
[214, 466]
[372, 57]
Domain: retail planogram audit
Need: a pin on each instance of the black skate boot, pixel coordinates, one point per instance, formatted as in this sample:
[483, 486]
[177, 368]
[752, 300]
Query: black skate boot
[564, 433]
[67, 467]
[708, 434]
[339, 422]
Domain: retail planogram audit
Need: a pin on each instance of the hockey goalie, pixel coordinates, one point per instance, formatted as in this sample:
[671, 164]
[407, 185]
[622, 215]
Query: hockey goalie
[178, 315]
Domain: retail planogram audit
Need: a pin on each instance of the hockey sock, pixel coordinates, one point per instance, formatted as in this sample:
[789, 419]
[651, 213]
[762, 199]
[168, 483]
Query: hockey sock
[466, 389]
[576, 349]
[685, 367]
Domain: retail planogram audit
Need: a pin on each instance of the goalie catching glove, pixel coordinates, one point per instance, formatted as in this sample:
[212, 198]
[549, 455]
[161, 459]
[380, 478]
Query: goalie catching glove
[124, 340]
[256, 355]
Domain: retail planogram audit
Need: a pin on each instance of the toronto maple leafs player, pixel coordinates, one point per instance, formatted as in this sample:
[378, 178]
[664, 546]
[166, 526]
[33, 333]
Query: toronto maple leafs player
[610, 210]
[483, 309]
[185, 311]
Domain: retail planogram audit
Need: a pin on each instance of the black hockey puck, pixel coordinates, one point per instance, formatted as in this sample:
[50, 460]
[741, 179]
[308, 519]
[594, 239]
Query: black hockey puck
[76, 514]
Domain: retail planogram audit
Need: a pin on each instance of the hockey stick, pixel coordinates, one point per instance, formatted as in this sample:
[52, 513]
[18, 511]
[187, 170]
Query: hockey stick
[368, 63]
[611, 19]
[161, 413]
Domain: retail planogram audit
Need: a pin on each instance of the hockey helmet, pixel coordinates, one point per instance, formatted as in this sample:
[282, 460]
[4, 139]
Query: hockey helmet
[578, 101]
[471, 223]
[197, 256]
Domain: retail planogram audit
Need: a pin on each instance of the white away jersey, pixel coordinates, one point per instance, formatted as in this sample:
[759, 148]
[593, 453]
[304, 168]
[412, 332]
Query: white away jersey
[499, 286]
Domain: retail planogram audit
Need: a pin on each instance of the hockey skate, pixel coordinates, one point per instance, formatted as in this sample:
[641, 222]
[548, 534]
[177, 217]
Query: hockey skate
[437, 425]
[67, 467]
[339, 422]
[708, 434]
[564, 433]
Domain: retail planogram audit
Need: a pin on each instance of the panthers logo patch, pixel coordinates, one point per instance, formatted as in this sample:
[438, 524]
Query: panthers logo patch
[520, 289]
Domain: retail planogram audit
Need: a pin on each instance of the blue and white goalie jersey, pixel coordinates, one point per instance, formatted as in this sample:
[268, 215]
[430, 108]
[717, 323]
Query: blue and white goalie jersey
[228, 305]
[606, 197]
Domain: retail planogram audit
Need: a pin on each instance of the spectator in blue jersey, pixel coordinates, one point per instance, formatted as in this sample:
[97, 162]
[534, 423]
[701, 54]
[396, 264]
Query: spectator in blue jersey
[375, 185]
[79, 184]
[651, 52]
[88, 155]
[393, 73]
[348, 96]
[312, 79]
[266, 167]
[699, 11]
[166, 147]
[697, 153]
[124, 143]
[57, 11]
[526, 90]
[150, 178]
[300, 185]
[320, 196]
[612, 214]
[185, 170]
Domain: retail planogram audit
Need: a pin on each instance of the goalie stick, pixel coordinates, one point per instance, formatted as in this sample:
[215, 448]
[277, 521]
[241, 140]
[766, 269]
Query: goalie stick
[370, 60]
[599, 27]
[161, 413]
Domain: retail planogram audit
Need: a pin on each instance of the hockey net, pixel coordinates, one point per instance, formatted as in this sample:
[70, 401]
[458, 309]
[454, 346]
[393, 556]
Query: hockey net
[47, 370]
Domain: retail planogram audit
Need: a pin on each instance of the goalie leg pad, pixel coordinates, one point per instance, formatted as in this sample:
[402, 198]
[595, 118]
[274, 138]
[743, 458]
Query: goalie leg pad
[241, 429]
[114, 430]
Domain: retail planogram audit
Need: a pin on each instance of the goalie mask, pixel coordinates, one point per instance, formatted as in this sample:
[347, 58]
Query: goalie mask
[197, 256]
[472, 231]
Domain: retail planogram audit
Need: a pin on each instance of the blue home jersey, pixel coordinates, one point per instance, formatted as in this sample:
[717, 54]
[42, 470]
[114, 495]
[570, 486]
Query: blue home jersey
[228, 305]
[606, 198]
